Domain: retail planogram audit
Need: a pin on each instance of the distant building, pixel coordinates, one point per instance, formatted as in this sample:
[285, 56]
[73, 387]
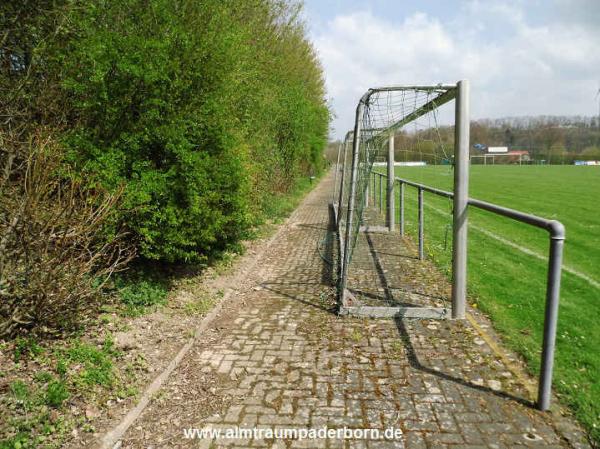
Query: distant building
[518, 155]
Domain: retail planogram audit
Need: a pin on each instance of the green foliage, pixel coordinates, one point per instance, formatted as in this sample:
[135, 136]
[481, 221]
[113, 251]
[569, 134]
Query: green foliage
[56, 393]
[38, 408]
[142, 287]
[19, 390]
[98, 368]
[143, 294]
[62, 367]
[198, 119]
[200, 306]
[43, 376]
[201, 109]
[25, 347]
[590, 153]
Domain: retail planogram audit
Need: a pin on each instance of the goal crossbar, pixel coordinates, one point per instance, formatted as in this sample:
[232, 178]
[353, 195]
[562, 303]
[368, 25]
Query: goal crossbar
[446, 93]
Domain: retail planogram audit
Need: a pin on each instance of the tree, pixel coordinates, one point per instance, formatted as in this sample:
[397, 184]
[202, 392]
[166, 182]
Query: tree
[549, 136]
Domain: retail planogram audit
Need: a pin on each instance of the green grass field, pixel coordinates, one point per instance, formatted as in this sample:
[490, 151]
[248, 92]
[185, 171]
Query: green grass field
[509, 284]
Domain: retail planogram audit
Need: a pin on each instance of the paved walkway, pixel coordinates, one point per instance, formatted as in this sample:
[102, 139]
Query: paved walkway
[281, 358]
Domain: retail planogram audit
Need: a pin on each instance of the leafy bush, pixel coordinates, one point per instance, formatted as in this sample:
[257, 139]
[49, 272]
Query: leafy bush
[201, 108]
[180, 120]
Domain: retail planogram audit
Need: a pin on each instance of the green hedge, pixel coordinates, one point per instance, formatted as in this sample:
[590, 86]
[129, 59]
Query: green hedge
[201, 109]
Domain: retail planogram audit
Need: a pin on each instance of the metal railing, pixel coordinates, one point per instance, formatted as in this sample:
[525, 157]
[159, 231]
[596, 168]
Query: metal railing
[556, 233]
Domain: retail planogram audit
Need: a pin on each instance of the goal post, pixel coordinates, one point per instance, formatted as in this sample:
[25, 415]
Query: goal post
[461, 198]
[380, 113]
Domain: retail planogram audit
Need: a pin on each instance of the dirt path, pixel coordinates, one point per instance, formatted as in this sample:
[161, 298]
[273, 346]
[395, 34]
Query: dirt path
[276, 356]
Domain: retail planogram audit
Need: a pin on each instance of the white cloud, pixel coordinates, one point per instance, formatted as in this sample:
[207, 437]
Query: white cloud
[515, 67]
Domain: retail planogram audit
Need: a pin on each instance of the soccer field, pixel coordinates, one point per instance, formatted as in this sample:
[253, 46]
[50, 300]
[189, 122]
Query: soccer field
[507, 263]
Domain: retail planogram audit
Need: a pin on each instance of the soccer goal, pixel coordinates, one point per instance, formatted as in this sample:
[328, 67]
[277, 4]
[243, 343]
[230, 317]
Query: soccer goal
[509, 158]
[407, 116]
[377, 268]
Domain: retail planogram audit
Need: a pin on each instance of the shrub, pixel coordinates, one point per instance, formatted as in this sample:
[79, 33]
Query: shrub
[202, 109]
[53, 264]
[148, 92]
[175, 121]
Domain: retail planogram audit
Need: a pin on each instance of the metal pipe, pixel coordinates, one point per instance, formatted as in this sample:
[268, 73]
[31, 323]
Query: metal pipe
[557, 240]
[417, 87]
[557, 237]
[374, 190]
[380, 192]
[391, 206]
[401, 204]
[514, 214]
[348, 237]
[367, 192]
[337, 169]
[426, 188]
[341, 198]
[421, 225]
[461, 196]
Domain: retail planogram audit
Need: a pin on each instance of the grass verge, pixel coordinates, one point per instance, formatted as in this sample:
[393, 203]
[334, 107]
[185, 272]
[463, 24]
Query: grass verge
[52, 388]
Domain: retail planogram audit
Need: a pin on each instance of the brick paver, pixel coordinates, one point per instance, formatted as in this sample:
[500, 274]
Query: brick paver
[289, 361]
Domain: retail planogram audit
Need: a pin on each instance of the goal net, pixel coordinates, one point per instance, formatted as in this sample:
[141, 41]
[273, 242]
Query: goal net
[509, 158]
[409, 115]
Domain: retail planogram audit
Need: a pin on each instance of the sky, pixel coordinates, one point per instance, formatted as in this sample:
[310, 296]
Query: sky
[522, 57]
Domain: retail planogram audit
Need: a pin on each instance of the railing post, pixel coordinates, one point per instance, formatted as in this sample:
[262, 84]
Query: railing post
[380, 193]
[367, 191]
[337, 169]
[375, 196]
[401, 207]
[557, 240]
[461, 194]
[390, 204]
[421, 236]
[374, 190]
[351, 198]
[341, 195]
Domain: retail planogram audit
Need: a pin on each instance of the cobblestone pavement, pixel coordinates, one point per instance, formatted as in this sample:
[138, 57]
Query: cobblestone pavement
[286, 360]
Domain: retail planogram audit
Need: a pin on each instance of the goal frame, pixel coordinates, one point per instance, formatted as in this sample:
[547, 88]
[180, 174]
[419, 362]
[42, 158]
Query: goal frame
[493, 157]
[447, 92]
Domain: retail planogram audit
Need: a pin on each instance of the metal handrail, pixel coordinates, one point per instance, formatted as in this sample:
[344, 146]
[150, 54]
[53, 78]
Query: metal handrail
[556, 232]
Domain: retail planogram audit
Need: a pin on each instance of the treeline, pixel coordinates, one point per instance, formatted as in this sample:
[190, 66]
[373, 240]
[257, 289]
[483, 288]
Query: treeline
[159, 129]
[556, 140]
